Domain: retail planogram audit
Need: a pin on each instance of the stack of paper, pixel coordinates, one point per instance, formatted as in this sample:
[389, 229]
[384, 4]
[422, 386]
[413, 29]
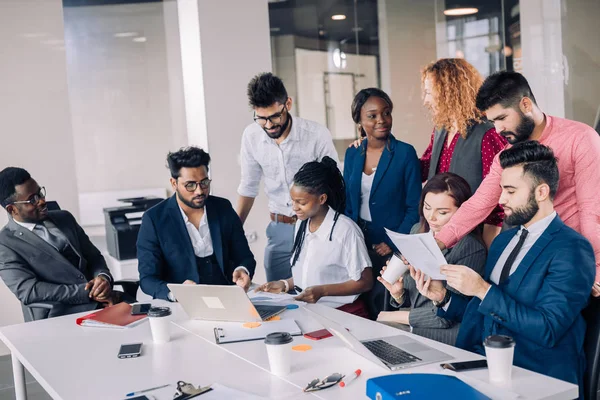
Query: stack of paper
[421, 251]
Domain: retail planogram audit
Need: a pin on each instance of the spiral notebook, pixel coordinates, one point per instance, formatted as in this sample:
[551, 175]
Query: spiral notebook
[231, 332]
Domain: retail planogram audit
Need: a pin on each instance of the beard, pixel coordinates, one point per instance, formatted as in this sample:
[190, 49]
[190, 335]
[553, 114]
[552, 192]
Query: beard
[522, 215]
[190, 203]
[277, 134]
[523, 131]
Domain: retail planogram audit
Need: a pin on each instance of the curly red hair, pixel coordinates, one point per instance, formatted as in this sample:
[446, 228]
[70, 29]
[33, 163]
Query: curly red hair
[455, 84]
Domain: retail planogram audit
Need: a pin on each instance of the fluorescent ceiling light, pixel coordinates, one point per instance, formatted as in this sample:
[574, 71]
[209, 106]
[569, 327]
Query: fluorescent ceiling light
[275, 29]
[338, 17]
[455, 12]
[140, 39]
[125, 34]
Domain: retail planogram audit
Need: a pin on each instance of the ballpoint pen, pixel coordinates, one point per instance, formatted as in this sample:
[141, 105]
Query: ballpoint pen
[146, 390]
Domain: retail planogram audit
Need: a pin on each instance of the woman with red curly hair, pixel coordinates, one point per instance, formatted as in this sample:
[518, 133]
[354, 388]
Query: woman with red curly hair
[463, 141]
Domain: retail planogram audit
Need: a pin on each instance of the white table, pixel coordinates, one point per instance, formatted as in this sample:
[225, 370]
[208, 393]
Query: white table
[72, 362]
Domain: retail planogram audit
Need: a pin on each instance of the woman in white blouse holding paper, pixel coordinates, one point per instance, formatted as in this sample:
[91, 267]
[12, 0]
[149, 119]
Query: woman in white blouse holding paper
[330, 262]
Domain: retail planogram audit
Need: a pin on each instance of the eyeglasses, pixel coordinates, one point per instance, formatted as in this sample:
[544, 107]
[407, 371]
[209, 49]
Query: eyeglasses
[192, 186]
[275, 119]
[319, 384]
[41, 194]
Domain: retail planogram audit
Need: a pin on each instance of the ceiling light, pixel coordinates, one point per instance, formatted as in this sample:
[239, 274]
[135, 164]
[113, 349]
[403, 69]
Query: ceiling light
[275, 29]
[140, 39]
[338, 17]
[459, 11]
[125, 34]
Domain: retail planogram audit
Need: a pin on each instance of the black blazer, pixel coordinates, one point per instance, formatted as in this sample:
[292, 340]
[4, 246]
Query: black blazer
[165, 252]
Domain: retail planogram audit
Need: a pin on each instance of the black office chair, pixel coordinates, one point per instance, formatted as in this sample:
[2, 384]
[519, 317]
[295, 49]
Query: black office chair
[130, 288]
[592, 350]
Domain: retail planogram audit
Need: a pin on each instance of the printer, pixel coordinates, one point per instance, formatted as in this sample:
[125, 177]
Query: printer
[123, 224]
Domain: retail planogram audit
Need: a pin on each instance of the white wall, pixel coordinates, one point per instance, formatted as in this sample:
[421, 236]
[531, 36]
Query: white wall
[120, 96]
[36, 126]
[407, 42]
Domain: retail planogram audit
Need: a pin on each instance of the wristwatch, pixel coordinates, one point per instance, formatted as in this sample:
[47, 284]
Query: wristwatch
[445, 300]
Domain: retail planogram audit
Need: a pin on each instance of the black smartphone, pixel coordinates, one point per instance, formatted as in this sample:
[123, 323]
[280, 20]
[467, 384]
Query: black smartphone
[140, 308]
[130, 350]
[465, 365]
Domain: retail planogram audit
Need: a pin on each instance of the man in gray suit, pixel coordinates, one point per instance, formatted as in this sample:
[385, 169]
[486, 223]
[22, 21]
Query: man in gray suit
[45, 256]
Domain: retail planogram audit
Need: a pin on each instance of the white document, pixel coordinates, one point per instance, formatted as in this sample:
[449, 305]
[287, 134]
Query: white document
[230, 332]
[272, 298]
[421, 251]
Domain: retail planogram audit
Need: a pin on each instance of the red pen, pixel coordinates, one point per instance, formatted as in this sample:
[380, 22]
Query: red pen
[350, 378]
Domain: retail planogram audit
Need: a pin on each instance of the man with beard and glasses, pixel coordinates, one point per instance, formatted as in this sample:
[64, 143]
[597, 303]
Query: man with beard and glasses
[275, 147]
[193, 237]
[45, 256]
[508, 102]
[537, 278]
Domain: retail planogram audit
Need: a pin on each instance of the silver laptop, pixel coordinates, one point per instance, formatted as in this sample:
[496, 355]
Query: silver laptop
[221, 303]
[392, 352]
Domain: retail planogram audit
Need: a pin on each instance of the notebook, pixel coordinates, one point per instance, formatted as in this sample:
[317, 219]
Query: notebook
[231, 332]
[117, 316]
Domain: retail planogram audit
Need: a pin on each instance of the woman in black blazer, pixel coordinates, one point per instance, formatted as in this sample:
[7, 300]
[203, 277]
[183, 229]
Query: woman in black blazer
[383, 183]
[441, 197]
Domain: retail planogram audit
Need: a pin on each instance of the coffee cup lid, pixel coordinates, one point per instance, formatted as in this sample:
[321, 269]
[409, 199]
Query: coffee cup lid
[278, 338]
[499, 341]
[159, 312]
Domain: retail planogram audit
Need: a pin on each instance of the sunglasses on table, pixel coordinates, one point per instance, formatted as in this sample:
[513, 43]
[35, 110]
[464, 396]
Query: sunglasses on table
[327, 382]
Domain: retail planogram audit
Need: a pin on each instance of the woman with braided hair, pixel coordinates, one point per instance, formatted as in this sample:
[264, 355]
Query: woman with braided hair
[330, 262]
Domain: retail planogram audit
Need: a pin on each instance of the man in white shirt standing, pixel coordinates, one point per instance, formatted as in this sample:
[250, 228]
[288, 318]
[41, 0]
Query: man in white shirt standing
[275, 146]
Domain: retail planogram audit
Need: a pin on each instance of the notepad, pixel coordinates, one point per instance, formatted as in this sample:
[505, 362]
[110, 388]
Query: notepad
[231, 332]
[117, 316]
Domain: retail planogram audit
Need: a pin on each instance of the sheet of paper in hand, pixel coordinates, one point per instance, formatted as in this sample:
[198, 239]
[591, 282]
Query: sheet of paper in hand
[421, 251]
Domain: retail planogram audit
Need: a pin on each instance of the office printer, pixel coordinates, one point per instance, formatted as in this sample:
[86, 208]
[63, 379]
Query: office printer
[123, 224]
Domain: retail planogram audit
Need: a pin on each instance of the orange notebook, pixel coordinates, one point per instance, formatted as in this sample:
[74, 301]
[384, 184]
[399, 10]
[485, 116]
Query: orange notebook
[117, 316]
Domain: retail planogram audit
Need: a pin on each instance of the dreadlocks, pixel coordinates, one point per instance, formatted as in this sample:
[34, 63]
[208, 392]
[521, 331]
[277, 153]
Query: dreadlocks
[319, 178]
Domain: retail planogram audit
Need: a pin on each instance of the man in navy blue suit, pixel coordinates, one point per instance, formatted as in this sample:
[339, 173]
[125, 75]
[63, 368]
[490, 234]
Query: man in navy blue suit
[537, 276]
[192, 237]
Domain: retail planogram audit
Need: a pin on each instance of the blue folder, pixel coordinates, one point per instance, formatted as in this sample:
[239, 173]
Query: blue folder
[421, 386]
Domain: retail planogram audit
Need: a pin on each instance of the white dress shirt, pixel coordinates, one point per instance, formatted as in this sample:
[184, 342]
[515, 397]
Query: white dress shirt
[366, 184]
[535, 230]
[262, 156]
[200, 237]
[323, 262]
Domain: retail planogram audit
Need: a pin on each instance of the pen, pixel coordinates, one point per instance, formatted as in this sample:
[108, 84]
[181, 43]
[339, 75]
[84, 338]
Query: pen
[350, 378]
[146, 390]
[298, 289]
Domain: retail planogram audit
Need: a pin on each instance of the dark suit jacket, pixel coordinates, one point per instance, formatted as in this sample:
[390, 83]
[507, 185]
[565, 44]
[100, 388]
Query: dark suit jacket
[165, 252]
[395, 192]
[37, 273]
[539, 305]
[423, 316]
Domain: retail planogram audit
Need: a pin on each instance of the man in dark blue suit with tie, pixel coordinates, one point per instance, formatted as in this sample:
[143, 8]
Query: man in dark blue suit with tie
[537, 276]
[192, 237]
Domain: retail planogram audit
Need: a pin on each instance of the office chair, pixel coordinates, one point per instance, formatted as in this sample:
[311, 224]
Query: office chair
[129, 287]
[591, 313]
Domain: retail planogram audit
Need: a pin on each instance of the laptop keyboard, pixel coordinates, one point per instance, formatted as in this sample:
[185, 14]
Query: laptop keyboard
[390, 353]
[266, 312]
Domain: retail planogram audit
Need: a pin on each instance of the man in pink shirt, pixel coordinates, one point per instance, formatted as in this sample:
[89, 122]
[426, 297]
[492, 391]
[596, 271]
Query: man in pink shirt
[508, 102]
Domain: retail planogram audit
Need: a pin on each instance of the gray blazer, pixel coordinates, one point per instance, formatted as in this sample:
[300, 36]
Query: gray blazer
[37, 273]
[422, 313]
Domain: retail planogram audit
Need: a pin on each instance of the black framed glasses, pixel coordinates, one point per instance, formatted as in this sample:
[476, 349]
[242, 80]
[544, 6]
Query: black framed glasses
[275, 119]
[192, 186]
[33, 200]
[327, 382]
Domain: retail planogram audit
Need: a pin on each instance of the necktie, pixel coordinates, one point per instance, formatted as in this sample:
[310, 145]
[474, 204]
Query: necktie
[55, 241]
[513, 255]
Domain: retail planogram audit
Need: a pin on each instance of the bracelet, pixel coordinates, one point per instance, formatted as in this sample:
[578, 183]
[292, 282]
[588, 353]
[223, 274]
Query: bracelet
[287, 285]
[399, 299]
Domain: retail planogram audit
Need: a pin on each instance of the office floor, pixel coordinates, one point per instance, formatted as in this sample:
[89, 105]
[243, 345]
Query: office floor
[7, 390]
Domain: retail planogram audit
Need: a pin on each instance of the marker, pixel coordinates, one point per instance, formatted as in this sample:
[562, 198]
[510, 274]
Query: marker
[297, 289]
[350, 378]
[146, 390]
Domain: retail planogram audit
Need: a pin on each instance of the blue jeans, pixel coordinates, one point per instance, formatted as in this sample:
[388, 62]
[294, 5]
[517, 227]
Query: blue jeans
[278, 252]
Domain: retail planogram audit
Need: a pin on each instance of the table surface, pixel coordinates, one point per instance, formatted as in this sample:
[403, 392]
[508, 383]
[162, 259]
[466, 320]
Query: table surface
[74, 362]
